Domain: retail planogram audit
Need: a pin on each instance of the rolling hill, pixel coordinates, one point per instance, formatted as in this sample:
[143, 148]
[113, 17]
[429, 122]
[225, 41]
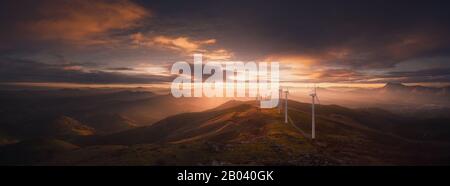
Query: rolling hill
[65, 126]
[26, 114]
[239, 133]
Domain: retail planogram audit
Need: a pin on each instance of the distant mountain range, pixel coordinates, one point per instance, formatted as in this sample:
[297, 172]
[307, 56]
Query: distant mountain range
[401, 88]
[395, 97]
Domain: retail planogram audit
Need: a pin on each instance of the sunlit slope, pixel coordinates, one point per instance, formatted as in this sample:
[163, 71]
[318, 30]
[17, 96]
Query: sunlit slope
[236, 133]
[240, 124]
[239, 133]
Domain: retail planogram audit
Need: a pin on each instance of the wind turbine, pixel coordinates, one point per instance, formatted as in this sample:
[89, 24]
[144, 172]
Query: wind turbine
[280, 95]
[286, 106]
[314, 97]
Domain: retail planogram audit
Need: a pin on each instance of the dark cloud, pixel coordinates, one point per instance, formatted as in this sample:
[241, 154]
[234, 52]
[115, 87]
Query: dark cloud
[427, 75]
[378, 34]
[354, 76]
[18, 70]
[120, 69]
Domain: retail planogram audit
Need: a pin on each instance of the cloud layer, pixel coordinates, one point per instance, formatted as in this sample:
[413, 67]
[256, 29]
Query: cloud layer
[325, 41]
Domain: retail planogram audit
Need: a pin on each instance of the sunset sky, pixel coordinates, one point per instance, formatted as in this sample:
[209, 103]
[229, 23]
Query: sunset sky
[336, 43]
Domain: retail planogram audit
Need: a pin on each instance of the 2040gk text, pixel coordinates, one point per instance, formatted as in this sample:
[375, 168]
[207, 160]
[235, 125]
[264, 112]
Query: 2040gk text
[247, 175]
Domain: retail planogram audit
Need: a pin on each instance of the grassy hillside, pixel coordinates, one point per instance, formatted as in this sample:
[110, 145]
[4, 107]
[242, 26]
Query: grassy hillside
[239, 133]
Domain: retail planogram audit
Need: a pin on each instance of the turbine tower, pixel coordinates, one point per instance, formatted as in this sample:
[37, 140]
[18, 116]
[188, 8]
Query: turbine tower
[286, 106]
[313, 120]
[280, 104]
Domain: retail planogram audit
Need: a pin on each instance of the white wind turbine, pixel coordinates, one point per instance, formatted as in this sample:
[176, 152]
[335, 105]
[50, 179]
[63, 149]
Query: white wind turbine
[314, 97]
[280, 104]
[286, 92]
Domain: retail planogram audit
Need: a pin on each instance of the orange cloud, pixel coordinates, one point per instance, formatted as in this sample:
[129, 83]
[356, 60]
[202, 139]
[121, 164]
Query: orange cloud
[83, 21]
[318, 58]
[220, 54]
[184, 45]
[181, 44]
[313, 68]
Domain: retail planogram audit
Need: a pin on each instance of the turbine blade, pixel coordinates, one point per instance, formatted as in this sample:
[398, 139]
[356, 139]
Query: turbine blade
[317, 98]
